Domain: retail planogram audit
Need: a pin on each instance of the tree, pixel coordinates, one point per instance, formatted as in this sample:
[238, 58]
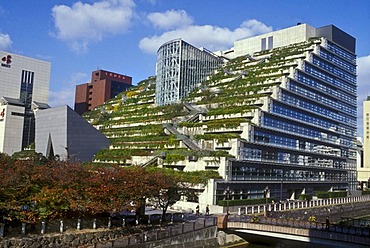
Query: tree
[173, 184]
[16, 189]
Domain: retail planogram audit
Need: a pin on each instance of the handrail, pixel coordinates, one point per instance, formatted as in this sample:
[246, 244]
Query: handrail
[335, 228]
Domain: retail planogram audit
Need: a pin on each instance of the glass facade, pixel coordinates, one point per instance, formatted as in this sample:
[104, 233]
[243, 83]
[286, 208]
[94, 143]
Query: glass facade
[306, 140]
[117, 87]
[180, 67]
[27, 80]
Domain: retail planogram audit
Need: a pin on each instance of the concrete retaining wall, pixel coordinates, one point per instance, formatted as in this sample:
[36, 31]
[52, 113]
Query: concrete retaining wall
[199, 233]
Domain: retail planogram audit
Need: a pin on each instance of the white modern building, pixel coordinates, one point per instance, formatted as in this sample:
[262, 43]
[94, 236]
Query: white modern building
[24, 88]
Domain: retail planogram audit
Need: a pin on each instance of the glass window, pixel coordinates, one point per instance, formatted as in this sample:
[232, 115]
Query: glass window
[341, 52]
[293, 86]
[263, 44]
[321, 86]
[295, 101]
[270, 42]
[333, 69]
[330, 79]
[338, 61]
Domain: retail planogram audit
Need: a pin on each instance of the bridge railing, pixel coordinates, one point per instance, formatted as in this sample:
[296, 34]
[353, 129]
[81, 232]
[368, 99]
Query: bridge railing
[291, 205]
[336, 228]
[171, 231]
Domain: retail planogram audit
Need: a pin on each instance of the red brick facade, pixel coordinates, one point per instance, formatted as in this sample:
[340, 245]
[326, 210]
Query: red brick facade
[103, 86]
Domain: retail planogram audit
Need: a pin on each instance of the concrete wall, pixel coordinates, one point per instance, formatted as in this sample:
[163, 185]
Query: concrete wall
[280, 38]
[10, 80]
[11, 128]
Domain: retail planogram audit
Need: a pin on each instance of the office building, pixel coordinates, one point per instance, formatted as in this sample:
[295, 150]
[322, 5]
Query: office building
[278, 118]
[180, 68]
[24, 88]
[103, 86]
[302, 137]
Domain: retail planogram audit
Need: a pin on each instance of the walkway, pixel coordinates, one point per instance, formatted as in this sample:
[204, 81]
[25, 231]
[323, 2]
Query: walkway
[296, 205]
[329, 238]
[290, 220]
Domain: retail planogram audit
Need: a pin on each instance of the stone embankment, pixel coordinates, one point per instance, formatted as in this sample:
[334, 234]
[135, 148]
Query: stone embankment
[198, 233]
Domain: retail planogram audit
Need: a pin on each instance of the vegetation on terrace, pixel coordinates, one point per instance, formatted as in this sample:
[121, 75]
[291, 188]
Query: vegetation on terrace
[230, 98]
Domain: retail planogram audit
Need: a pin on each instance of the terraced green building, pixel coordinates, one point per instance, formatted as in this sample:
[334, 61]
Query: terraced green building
[277, 119]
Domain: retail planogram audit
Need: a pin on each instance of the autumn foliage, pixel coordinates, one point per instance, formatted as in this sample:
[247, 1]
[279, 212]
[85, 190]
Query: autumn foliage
[31, 191]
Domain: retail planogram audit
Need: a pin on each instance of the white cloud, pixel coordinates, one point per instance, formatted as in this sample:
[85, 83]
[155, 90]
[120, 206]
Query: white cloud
[170, 19]
[211, 37]
[363, 83]
[5, 42]
[83, 23]
[363, 72]
[66, 94]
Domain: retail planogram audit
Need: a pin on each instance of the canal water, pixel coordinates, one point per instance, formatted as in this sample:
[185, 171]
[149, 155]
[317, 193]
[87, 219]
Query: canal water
[288, 244]
[257, 241]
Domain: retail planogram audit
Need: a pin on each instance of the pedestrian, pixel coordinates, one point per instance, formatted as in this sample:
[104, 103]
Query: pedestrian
[197, 210]
[327, 223]
[207, 210]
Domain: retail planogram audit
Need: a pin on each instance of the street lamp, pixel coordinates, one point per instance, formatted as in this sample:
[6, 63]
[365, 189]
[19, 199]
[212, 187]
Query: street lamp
[281, 189]
[227, 193]
[266, 193]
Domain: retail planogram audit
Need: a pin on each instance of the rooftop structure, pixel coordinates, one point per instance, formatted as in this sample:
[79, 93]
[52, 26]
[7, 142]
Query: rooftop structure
[285, 37]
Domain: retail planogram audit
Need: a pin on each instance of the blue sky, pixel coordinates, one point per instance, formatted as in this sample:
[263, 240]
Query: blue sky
[78, 37]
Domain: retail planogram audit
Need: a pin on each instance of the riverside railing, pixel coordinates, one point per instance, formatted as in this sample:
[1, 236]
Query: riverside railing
[167, 232]
[61, 226]
[335, 228]
[292, 205]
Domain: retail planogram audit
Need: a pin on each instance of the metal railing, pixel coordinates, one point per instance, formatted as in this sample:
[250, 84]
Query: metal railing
[335, 228]
[170, 231]
[295, 205]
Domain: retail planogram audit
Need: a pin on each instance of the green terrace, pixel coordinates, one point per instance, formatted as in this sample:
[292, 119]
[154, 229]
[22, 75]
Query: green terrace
[120, 155]
[141, 130]
[215, 124]
[230, 97]
[146, 142]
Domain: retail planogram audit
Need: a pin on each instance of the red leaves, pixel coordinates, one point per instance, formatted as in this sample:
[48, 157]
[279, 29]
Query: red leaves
[56, 189]
[59, 188]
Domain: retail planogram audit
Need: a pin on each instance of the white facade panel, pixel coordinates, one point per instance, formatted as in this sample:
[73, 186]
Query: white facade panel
[11, 128]
[295, 34]
[11, 74]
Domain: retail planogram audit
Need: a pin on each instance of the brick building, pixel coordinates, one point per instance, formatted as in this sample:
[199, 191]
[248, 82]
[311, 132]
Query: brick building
[103, 86]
